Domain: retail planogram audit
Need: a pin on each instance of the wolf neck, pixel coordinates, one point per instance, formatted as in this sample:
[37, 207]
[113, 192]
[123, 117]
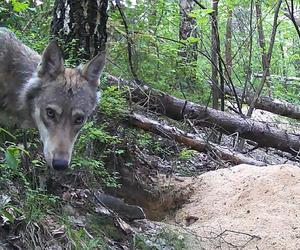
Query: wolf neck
[26, 87]
[18, 111]
[17, 108]
[26, 101]
[18, 64]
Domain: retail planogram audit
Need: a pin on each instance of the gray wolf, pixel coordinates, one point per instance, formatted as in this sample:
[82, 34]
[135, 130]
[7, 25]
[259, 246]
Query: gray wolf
[38, 91]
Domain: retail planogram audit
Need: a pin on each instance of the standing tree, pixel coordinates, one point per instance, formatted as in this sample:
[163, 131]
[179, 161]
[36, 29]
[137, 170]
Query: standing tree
[228, 49]
[187, 54]
[187, 28]
[262, 43]
[81, 25]
[214, 55]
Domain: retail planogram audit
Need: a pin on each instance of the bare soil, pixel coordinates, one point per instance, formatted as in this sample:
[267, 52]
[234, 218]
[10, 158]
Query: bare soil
[244, 207]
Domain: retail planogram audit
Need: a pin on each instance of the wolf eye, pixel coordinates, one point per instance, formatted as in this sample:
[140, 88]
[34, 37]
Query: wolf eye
[79, 120]
[50, 113]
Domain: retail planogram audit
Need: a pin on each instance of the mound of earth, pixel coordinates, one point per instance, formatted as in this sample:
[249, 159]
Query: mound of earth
[245, 207]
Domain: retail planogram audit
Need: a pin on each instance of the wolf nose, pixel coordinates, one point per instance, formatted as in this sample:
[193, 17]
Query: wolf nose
[59, 164]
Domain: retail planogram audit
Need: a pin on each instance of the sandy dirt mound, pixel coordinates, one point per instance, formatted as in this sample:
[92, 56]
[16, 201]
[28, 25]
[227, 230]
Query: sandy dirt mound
[245, 207]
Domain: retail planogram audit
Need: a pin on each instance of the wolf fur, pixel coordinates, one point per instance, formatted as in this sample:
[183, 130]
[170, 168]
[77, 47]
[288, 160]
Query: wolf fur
[38, 91]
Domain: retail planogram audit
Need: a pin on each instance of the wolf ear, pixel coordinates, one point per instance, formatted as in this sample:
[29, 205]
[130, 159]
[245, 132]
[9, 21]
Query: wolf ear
[52, 61]
[93, 69]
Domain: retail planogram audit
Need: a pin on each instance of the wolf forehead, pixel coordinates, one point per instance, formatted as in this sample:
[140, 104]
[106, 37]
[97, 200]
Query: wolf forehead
[68, 88]
[74, 79]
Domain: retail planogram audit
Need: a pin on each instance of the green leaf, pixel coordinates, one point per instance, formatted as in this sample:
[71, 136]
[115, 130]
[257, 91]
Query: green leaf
[12, 157]
[18, 6]
[206, 11]
[192, 39]
[8, 133]
[193, 14]
[7, 215]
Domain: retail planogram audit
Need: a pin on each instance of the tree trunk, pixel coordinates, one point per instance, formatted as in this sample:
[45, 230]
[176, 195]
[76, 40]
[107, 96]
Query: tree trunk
[189, 140]
[266, 103]
[177, 109]
[80, 27]
[228, 52]
[249, 64]
[262, 44]
[261, 35]
[187, 29]
[187, 54]
[214, 55]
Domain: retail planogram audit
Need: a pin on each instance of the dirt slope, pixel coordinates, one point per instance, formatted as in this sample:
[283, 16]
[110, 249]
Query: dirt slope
[245, 207]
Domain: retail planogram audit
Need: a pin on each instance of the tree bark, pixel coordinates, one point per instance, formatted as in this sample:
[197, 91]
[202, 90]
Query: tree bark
[189, 140]
[249, 64]
[262, 44]
[214, 55]
[187, 29]
[266, 103]
[178, 109]
[188, 53]
[228, 51]
[80, 26]
[261, 35]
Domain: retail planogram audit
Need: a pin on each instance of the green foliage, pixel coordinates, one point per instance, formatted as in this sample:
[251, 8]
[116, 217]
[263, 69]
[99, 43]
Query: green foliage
[7, 210]
[12, 157]
[75, 55]
[37, 203]
[96, 168]
[112, 101]
[9, 169]
[19, 6]
[186, 154]
[28, 21]
[201, 16]
[153, 144]
[144, 139]
[157, 47]
[80, 239]
[93, 132]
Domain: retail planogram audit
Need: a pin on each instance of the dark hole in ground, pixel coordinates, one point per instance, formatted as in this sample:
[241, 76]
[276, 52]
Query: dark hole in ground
[156, 204]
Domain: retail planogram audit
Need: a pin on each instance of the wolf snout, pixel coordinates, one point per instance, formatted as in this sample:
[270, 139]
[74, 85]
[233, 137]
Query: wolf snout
[60, 164]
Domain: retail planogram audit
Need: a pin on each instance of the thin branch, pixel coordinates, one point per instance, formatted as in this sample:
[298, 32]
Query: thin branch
[291, 15]
[129, 43]
[201, 5]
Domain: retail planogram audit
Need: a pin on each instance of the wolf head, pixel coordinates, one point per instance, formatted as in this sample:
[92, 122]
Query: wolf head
[61, 99]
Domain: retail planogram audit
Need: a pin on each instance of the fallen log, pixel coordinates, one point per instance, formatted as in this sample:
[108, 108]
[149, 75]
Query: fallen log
[281, 78]
[262, 133]
[190, 140]
[266, 103]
